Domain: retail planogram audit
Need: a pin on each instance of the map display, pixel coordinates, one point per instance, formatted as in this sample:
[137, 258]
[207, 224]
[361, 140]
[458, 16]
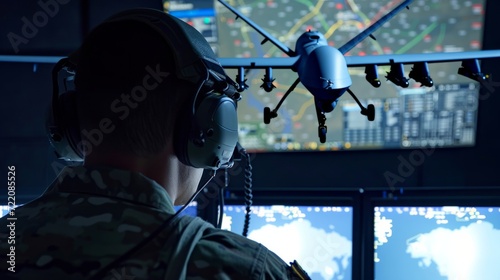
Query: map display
[428, 26]
[437, 243]
[318, 237]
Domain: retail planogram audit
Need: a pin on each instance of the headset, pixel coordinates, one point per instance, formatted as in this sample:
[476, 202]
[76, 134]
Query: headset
[205, 134]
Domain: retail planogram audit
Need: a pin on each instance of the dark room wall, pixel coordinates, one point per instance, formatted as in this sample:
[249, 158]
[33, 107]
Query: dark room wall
[48, 28]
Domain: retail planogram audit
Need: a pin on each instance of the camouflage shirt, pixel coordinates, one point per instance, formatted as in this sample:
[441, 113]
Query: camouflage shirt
[89, 217]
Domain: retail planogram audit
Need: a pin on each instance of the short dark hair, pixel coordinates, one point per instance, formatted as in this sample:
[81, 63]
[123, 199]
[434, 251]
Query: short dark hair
[123, 84]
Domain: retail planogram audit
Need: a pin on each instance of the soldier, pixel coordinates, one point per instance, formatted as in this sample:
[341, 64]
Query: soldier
[151, 109]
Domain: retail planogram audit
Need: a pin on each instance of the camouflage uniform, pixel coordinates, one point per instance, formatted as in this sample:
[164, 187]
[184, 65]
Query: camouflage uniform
[91, 216]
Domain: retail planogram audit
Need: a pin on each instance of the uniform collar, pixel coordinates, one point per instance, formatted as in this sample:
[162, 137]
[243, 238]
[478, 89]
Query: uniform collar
[113, 183]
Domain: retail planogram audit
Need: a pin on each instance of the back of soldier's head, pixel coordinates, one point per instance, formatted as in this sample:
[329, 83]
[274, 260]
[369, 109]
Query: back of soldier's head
[145, 79]
[125, 76]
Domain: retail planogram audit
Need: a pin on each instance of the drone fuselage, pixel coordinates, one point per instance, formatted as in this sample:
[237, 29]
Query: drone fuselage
[322, 69]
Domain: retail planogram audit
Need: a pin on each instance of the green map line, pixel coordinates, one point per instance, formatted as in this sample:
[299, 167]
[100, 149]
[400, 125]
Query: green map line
[417, 39]
[442, 34]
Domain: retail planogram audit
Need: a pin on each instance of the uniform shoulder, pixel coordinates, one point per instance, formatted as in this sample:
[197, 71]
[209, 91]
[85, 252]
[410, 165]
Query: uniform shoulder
[222, 254]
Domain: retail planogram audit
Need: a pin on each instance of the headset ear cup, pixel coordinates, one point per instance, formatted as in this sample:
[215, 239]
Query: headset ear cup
[64, 129]
[210, 135]
[217, 118]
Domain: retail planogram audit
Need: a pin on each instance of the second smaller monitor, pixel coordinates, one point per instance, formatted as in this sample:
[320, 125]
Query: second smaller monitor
[318, 237]
[437, 242]
[191, 209]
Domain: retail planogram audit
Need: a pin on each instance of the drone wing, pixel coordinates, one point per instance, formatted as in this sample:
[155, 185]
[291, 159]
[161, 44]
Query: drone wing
[267, 63]
[267, 36]
[420, 72]
[30, 58]
[259, 62]
[368, 32]
[389, 59]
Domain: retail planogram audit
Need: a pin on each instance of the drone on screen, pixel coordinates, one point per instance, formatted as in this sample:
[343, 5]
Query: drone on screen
[323, 69]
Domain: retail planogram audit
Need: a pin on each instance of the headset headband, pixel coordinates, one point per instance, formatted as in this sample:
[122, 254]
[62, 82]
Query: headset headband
[197, 65]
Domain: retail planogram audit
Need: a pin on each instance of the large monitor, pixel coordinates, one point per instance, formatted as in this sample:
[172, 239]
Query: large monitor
[430, 238]
[319, 237]
[442, 116]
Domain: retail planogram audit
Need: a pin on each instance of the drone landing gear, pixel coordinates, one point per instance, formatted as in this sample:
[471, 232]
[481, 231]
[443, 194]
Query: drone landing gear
[369, 111]
[271, 114]
[322, 128]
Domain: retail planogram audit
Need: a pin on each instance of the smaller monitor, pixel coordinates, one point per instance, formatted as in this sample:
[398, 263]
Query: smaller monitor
[320, 238]
[191, 210]
[436, 242]
[5, 209]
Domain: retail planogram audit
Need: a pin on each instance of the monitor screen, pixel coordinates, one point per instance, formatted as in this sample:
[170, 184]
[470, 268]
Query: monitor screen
[5, 209]
[429, 242]
[442, 116]
[191, 210]
[318, 237]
